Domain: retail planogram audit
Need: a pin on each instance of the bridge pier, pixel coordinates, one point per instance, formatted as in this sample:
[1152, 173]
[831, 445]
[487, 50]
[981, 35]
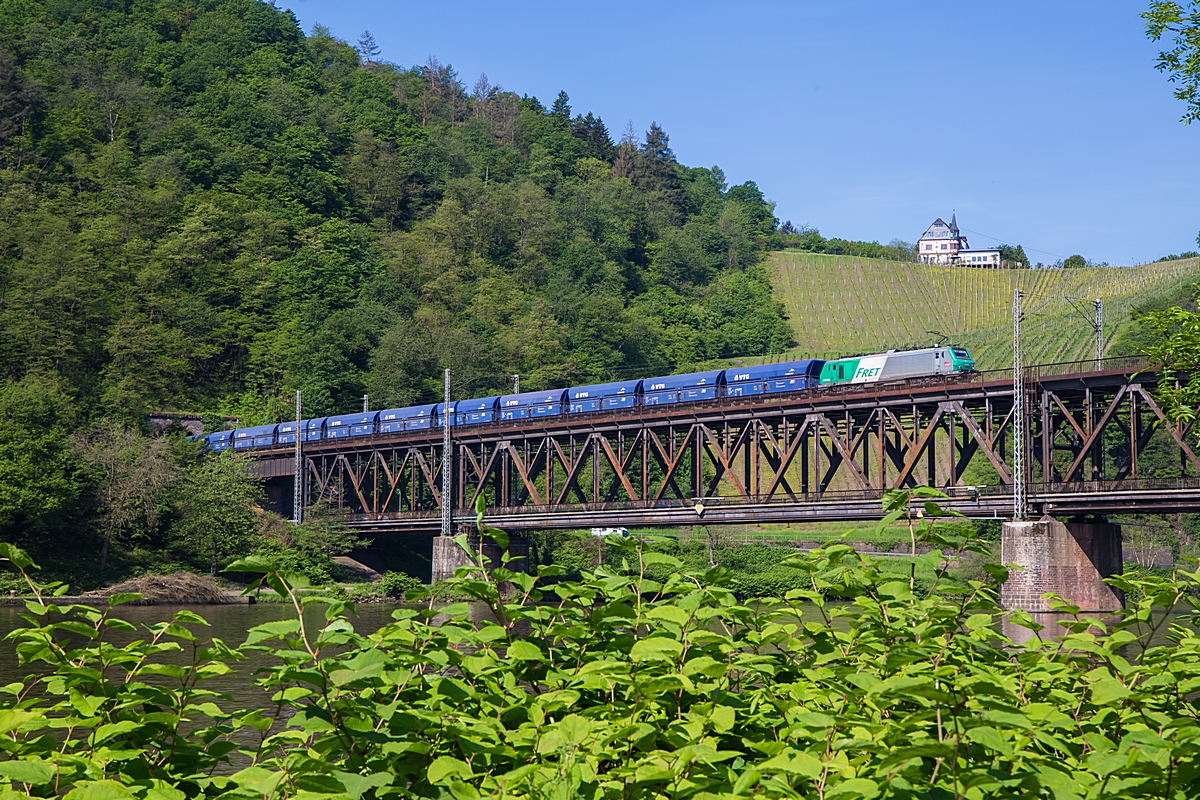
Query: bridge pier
[1070, 559]
[448, 556]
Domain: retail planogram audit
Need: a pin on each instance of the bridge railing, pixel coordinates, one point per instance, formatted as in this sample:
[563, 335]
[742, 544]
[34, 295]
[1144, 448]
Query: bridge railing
[1110, 486]
[1035, 372]
[1113, 364]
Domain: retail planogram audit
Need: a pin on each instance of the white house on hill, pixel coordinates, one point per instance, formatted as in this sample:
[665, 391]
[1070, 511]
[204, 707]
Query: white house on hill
[946, 244]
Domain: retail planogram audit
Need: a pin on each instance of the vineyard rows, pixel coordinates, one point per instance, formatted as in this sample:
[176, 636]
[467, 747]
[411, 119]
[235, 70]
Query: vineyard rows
[840, 305]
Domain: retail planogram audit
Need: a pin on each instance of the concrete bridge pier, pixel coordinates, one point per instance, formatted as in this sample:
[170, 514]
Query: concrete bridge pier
[448, 556]
[1070, 559]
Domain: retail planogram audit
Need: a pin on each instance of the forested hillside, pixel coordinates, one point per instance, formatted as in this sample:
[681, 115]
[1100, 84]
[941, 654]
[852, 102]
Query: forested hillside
[205, 209]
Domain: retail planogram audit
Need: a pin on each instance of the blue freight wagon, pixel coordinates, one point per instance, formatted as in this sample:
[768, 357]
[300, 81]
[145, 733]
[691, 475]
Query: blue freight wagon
[366, 425]
[219, 440]
[476, 412]
[287, 432]
[359, 424]
[258, 436]
[313, 429]
[337, 427]
[604, 396]
[415, 418]
[528, 405]
[790, 376]
[443, 417]
[690, 388]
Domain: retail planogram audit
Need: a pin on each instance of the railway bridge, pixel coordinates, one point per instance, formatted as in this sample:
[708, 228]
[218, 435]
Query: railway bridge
[1095, 443]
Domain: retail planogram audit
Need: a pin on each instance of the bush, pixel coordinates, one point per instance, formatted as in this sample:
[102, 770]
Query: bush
[308, 548]
[397, 584]
[318, 567]
[622, 686]
[773, 581]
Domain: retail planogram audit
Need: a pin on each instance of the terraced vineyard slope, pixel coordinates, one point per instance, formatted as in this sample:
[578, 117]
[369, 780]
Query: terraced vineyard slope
[841, 305]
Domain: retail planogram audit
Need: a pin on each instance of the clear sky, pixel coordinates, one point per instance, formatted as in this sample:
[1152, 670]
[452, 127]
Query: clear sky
[1041, 123]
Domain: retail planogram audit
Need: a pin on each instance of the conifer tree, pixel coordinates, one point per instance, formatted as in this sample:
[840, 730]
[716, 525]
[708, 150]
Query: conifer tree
[368, 48]
[591, 130]
[561, 110]
[656, 169]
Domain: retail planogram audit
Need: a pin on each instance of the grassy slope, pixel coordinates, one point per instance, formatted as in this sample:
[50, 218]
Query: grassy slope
[841, 305]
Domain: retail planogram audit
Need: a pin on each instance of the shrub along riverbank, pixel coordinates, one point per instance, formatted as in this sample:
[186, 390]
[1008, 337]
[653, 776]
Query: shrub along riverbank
[621, 684]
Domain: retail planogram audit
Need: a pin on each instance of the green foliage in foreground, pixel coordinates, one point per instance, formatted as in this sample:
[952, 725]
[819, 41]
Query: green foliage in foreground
[617, 685]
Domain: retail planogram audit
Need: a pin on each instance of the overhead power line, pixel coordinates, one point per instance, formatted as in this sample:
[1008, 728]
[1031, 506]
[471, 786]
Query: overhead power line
[998, 239]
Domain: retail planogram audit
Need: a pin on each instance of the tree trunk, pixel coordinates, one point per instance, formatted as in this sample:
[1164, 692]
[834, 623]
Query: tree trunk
[212, 569]
[104, 550]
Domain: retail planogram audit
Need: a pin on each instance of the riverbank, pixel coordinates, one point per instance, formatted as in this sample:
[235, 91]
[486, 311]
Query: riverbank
[175, 589]
[98, 599]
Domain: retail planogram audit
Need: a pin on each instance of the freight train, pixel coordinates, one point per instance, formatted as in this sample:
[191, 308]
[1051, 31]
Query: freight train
[763, 379]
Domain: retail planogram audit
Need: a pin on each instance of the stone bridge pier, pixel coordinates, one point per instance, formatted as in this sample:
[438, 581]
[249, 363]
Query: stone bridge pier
[1070, 559]
[448, 556]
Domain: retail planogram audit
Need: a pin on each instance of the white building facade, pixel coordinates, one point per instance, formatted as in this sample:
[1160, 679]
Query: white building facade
[945, 244]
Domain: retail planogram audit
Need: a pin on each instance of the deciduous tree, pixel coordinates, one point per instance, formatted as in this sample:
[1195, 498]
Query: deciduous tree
[40, 480]
[131, 473]
[219, 497]
[1180, 22]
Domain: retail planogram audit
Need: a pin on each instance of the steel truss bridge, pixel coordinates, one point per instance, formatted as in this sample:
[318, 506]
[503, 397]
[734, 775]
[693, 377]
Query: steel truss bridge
[1097, 443]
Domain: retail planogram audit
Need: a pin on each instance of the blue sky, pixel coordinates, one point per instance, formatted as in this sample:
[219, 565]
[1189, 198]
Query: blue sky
[1041, 123]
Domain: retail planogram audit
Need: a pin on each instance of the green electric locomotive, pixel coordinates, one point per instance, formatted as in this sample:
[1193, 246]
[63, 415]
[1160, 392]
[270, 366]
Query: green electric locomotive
[897, 365]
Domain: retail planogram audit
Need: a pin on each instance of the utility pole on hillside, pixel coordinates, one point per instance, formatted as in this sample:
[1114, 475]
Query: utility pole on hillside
[516, 383]
[1019, 501]
[1096, 320]
[298, 473]
[366, 403]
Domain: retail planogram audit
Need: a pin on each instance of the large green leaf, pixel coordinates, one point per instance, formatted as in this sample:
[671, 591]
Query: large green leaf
[251, 564]
[357, 785]
[521, 650]
[27, 771]
[445, 768]
[655, 649]
[18, 557]
[99, 790]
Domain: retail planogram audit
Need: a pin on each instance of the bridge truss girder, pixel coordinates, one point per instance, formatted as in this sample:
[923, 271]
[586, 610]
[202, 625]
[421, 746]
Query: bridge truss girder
[1101, 435]
[1098, 442]
[754, 454]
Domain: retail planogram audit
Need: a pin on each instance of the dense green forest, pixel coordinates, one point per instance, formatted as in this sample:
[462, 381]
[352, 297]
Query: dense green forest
[205, 209]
